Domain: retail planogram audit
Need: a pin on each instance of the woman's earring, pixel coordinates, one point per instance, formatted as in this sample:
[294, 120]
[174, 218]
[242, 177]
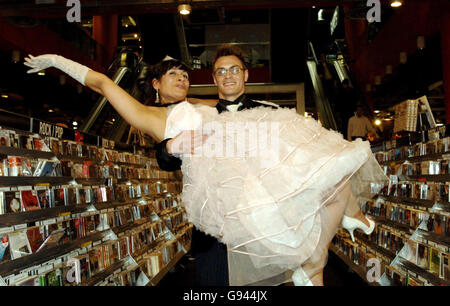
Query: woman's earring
[157, 97]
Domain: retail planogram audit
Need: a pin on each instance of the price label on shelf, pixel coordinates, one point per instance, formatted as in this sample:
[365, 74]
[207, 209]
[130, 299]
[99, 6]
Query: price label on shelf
[49, 221]
[17, 277]
[5, 230]
[441, 247]
[45, 268]
[64, 214]
[57, 261]
[20, 226]
[86, 244]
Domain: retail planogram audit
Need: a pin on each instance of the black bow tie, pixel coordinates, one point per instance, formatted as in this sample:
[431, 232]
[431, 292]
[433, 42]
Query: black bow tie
[223, 104]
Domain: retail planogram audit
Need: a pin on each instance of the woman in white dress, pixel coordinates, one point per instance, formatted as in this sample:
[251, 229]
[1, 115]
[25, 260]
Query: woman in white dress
[276, 210]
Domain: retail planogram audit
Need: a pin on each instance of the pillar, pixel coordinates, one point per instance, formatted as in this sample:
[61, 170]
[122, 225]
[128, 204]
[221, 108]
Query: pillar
[105, 31]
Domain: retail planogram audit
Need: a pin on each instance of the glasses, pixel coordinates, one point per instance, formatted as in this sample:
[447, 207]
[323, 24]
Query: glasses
[232, 70]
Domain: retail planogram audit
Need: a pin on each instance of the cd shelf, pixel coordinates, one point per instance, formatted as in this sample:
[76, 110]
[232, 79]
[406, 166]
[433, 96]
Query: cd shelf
[356, 268]
[416, 159]
[8, 220]
[22, 263]
[25, 152]
[157, 278]
[376, 248]
[396, 226]
[138, 200]
[415, 224]
[110, 271]
[434, 238]
[418, 271]
[34, 180]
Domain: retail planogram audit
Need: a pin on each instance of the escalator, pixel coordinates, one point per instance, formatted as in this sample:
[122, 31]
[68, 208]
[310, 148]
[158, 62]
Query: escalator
[326, 86]
[129, 72]
[320, 97]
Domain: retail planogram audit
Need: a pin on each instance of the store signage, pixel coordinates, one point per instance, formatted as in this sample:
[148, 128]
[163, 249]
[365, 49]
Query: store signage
[48, 129]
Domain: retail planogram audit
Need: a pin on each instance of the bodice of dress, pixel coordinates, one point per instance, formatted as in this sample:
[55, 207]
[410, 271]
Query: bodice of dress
[185, 116]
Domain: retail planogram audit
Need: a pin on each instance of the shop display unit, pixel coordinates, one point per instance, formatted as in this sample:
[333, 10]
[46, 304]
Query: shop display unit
[76, 211]
[411, 241]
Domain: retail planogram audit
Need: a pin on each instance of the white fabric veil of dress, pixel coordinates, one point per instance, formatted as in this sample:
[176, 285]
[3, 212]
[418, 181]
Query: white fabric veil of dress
[267, 203]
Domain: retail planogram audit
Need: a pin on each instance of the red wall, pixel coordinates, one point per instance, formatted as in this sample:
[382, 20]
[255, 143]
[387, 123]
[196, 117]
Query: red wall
[40, 40]
[399, 34]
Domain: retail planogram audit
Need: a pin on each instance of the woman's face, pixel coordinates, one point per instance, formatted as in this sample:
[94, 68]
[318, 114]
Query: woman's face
[173, 85]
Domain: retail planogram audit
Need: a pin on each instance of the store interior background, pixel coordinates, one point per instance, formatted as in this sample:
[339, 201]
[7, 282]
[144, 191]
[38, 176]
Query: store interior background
[276, 34]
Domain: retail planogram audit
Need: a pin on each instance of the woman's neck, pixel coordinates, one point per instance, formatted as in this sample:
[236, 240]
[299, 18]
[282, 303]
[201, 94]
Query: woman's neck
[166, 102]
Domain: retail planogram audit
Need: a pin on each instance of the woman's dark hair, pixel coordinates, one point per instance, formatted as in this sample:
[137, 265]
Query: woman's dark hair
[158, 70]
[227, 50]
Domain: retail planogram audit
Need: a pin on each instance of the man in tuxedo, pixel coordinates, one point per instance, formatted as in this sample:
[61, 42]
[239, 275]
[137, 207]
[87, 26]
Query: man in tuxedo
[230, 74]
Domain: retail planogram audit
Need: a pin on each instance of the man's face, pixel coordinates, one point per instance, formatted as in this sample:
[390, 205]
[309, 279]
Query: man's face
[359, 111]
[230, 86]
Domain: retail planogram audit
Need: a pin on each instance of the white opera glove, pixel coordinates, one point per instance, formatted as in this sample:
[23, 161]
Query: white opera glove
[41, 62]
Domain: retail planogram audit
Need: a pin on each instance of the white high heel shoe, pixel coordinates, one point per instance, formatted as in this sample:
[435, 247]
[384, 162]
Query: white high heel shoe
[300, 278]
[350, 224]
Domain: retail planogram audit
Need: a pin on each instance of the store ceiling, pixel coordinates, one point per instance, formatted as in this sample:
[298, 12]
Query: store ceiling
[58, 8]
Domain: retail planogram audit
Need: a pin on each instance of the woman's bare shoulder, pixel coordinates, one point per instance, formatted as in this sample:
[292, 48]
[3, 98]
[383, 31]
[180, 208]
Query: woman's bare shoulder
[208, 102]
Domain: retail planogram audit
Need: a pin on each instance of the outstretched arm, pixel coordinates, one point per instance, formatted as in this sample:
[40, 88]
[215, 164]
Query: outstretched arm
[151, 120]
[148, 119]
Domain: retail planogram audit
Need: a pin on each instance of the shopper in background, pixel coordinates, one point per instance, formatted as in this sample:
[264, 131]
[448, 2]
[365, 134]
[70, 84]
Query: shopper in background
[359, 126]
[277, 222]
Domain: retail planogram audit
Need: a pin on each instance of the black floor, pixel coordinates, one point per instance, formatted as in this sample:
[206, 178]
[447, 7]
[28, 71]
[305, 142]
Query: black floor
[336, 273]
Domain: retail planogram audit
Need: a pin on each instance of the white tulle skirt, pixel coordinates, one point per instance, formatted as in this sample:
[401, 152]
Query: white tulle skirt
[268, 202]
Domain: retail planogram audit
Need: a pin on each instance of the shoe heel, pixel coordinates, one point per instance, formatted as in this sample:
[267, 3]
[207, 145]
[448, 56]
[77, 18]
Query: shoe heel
[351, 235]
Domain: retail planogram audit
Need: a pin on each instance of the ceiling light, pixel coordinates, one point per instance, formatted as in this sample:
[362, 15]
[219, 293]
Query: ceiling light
[5, 96]
[135, 35]
[377, 122]
[396, 3]
[75, 123]
[376, 111]
[184, 9]
[50, 110]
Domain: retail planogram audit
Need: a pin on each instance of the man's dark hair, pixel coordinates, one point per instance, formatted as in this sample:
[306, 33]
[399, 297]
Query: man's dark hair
[227, 50]
[158, 70]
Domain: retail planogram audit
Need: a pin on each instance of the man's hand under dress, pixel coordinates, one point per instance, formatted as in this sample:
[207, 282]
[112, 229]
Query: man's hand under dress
[186, 142]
